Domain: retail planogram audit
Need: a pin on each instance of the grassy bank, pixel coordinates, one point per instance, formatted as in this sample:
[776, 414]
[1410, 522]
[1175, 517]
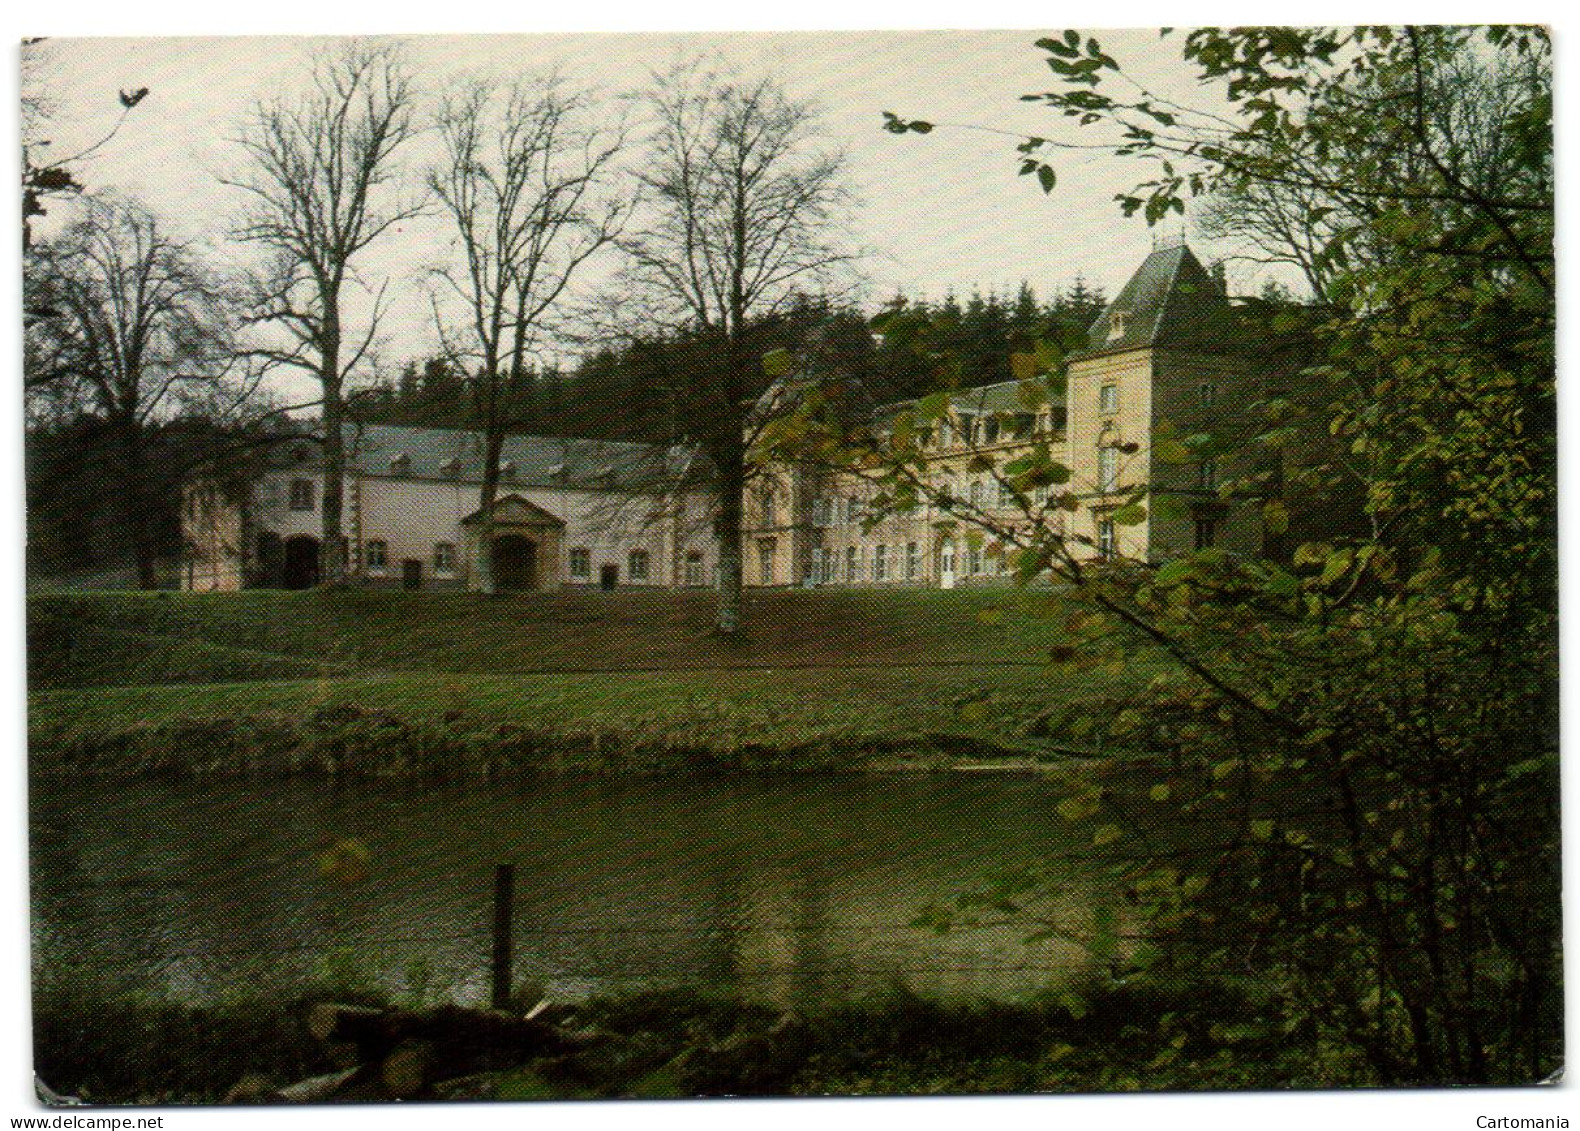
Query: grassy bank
[1117, 1038]
[122, 638]
[384, 684]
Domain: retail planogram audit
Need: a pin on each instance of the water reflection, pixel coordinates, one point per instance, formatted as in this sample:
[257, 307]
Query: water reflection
[788, 890]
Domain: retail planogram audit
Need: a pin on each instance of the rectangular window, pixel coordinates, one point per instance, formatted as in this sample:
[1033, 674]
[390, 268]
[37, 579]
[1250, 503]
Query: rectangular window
[765, 561]
[1206, 533]
[851, 566]
[1107, 469]
[301, 494]
[852, 509]
[1108, 400]
[822, 512]
[581, 564]
[913, 561]
[443, 557]
[880, 563]
[636, 563]
[378, 555]
[1006, 495]
[1107, 544]
[976, 493]
[693, 567]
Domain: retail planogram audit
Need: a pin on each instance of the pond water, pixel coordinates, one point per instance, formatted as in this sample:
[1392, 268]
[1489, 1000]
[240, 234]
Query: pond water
[791, 890]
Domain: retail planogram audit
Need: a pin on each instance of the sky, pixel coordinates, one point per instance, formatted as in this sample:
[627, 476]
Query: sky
[935, 213]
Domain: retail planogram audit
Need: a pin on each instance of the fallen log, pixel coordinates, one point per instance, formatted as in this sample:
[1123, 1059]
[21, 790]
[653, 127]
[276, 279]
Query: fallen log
[413, 1048]
[409, 1069]
[317, 1089]
[333, 1022]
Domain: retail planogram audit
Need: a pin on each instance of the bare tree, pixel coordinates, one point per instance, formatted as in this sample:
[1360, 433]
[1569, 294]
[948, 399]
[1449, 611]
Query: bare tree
[135, 321]
[319, 164]
[748, 212]
[524, 177]
[46, 177]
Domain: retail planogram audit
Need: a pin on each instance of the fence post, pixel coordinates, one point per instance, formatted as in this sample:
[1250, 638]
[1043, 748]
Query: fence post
[504, 896]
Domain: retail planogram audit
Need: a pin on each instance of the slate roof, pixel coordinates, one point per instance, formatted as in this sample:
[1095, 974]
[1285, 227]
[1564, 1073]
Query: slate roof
[982, 400]
[456, 455]
[1170, 300]
[1002, 397]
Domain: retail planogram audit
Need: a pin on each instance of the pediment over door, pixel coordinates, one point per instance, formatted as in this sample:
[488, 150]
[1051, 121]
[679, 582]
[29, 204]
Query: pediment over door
[513, 510]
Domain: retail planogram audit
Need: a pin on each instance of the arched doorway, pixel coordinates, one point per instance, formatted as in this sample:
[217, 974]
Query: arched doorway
[515, 561]
[301, 562]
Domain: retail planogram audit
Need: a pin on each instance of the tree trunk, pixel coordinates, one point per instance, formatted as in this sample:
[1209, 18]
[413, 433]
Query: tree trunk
[332, 550]
[134, 504]
[494, 443]
[731, 486]
[332, 547]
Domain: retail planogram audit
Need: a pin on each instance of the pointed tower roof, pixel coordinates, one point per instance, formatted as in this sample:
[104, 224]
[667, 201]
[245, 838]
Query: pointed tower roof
[1170, 300]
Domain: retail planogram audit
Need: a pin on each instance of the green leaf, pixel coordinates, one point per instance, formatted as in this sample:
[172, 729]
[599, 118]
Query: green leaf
[1046, 177]
[933, 406]
[1107, 834]
[778, 363]
[1171, 451]
[1079, 807]
[1159, 793]
[1174, 572]
[1337, 565]
[1131, 515]
[1261, 830]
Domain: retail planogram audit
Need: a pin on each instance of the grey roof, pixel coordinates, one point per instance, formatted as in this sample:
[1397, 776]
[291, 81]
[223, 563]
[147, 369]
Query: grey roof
[1170, 300]
[1004, 397]
[535, 461]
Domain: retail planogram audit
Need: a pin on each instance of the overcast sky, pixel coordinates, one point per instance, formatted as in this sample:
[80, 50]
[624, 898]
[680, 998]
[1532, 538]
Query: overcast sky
[939, 212]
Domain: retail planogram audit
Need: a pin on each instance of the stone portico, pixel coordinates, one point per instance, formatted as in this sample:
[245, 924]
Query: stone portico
[526, 542]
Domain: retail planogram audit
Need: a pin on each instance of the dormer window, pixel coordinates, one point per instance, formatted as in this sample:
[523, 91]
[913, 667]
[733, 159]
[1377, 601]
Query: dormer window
[1108, 400]
[400, 465]
[1116, 325]
[507, 471]
[557, 471]
[452, 468]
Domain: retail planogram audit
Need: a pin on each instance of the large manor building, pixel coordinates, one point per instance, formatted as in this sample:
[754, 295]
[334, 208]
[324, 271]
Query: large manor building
[575, 512]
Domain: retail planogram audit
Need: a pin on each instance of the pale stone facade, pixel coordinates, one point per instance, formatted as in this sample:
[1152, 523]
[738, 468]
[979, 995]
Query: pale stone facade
[580, 512]
[1158, 359]
[567, 513]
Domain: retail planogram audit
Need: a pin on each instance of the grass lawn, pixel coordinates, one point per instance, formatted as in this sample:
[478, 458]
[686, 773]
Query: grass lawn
[819, 667]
